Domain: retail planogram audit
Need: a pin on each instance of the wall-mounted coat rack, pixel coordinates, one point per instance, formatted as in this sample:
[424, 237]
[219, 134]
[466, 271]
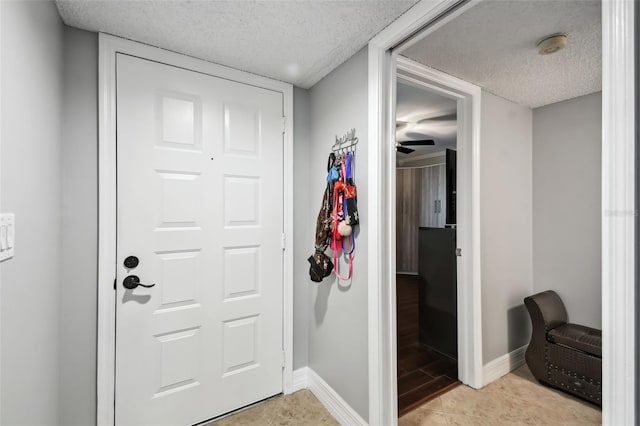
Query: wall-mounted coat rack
[346, 143]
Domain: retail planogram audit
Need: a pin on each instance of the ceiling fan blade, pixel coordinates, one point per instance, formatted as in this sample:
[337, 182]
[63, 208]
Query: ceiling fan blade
[404, 150]
[419, 143]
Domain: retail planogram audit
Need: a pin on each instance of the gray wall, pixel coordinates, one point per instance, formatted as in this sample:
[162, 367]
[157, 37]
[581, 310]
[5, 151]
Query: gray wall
[32, 92]
[338, 326]
[506, 225]
[77, 335]
[71, 312]
[303, 226]
[78, 312]
[567, 147]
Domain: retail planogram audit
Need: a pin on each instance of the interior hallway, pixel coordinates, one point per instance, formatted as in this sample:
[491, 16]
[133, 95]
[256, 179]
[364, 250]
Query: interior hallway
[515, 399]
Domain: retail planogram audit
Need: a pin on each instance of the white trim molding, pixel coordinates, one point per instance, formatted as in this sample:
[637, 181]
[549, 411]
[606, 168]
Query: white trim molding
[618, 213]
[332, 401]
[109, 47]
[300, 379]
[306, 378]
[503, 365]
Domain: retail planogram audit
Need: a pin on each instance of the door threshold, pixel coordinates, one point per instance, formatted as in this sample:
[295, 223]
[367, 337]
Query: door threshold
[239, 410]
[431, 396]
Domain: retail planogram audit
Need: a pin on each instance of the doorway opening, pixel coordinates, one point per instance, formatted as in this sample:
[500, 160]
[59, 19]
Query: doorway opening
[426, 279]
[540, 179]
[617, 131]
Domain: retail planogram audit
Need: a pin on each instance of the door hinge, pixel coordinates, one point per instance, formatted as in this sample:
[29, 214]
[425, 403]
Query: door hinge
[284, 358]
[284, 242]
[284, 124]
[458, 252]
[115, 280]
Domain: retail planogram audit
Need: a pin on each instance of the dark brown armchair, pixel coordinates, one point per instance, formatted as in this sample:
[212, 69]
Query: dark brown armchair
[562, 355]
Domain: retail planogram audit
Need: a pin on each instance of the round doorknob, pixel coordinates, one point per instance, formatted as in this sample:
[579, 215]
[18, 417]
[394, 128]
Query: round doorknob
[131, 262]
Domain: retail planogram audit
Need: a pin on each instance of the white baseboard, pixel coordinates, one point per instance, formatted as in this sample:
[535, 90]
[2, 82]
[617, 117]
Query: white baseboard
[300, 379]
[503, 365]
[338, 407]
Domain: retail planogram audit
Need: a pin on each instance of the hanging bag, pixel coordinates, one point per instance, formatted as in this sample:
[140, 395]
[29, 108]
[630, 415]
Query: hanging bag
[320, 264]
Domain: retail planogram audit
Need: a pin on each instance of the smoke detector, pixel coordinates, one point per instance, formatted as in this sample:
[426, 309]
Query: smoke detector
[551, 43]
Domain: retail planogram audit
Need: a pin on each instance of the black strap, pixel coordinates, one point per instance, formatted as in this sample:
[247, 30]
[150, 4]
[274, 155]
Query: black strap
[331, 161]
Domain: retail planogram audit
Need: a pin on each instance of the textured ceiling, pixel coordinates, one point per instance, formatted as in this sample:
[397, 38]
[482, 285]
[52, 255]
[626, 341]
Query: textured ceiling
[493, 45]
[298, 41]
[428, 116]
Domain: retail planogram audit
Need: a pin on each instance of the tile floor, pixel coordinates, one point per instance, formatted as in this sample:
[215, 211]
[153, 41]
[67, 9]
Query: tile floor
[301, 408]
[515, 399]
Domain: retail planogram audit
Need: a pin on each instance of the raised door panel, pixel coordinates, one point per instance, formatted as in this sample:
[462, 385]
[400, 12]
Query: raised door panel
[249, 304]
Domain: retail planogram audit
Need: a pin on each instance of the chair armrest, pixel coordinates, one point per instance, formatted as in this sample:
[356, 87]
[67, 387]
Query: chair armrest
[546, 310]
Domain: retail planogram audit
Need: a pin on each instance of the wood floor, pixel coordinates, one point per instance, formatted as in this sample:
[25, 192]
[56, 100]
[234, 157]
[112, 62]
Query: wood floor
[422, 374]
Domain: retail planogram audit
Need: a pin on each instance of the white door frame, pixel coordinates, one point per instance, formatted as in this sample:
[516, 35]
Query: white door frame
[109, 47]
[383, 408]
[468, 195]
[618, 204]
[618, 213]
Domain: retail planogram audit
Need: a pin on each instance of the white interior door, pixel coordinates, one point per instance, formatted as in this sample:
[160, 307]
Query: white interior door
[200, 204]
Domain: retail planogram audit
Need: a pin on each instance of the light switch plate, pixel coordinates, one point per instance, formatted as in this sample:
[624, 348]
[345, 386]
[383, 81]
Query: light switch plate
[7, 236]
